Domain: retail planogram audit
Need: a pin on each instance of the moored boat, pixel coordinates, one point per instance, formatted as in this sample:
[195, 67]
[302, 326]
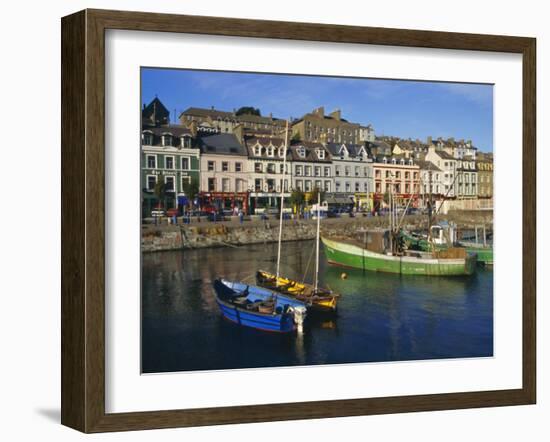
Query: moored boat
[373, 254]
[442, 235]
[320, 299]
[259, 308]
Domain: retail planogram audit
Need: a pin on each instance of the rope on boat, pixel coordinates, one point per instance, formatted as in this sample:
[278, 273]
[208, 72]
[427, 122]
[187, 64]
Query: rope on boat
[307, 266]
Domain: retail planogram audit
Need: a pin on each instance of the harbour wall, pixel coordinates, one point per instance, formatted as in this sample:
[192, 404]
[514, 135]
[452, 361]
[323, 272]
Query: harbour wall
[233, 233]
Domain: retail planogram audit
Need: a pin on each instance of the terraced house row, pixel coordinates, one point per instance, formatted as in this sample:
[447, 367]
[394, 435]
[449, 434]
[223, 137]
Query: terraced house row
[235, 160]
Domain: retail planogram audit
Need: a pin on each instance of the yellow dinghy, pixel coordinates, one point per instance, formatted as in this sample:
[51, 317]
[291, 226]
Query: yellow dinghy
[322, 299]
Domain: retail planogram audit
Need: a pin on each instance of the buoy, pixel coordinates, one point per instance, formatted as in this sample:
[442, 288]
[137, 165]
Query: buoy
[344, 276]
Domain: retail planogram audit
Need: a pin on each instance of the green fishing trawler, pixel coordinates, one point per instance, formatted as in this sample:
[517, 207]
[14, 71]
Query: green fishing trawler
[377, 251]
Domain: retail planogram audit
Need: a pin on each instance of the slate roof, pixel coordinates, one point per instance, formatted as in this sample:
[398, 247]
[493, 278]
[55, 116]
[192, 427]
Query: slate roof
[427, 165]
[353, 149]
[159, 131]
[222, 144]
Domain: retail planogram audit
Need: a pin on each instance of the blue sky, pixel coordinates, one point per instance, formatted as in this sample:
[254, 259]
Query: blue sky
[412, 109]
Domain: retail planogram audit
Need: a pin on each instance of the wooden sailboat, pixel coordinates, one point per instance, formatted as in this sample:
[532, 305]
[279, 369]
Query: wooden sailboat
[312, 295]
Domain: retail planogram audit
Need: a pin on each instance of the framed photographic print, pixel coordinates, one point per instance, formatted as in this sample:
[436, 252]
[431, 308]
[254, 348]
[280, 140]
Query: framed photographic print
[267, 221]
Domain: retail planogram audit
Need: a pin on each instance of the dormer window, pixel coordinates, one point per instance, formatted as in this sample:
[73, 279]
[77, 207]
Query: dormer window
[270, 151]
[147, 139]
[385, 160]
[185, 141]
[257, 150]
[166, 139]
[282, 152]
[301, 152]
[402, 161]
[393, 161]
[321, 154]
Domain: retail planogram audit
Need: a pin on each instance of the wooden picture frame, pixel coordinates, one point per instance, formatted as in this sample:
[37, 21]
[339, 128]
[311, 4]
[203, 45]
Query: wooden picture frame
[83, 219]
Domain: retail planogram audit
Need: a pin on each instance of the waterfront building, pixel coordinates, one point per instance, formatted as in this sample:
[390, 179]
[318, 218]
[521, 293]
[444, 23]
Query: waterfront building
[224, 176]
[448, 165]
[266, 157]
[168, 154]
[397, 175]
[431, 182]
[332, 128]
[484, 165]
[353, 177]
[311, 167]
[467, 179]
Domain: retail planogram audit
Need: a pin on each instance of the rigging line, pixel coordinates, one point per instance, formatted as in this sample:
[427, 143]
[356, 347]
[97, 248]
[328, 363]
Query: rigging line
[308, 262]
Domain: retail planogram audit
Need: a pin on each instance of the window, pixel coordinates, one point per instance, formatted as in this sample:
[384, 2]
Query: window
[151, 162]
[167, 140]
[348, 186]
[257, 151]
[307, 170]
[398, 175]
[147, 139]
[308, 185]
[299, 185]
[271, 168]
[270, 151]
[318, 184]
[169, 162]
[225, 184]
[238, 167]
[169, 180]
[321, 154]
[317, 171]
[347, 170]
[258, 167]
[298, 170]
[337, 170]
[185, 163]
[327, 186]
[211, 167]
[151, 182]
[366, 186]
[211, 184]
[327, 171]
[356, 170]
[387, 174]
[301, 152]
[185, 142]
[257, 185]
[357, 186]
[225, 166]
[337, 186]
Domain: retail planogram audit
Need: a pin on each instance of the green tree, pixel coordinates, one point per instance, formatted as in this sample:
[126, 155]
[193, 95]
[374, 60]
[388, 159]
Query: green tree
[248, 110]
[314, 195]
[297, 199]
[296, 137]
[191, 190]
[160, 191]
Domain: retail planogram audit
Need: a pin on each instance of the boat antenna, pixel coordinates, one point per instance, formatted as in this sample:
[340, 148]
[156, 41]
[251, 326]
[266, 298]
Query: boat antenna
[282, 205]
[317, 242]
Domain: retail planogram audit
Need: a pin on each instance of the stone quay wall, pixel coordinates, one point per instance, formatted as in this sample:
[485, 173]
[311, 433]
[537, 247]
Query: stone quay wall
[233, 234]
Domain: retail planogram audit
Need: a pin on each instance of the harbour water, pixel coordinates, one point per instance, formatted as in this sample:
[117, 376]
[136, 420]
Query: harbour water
[381, 317]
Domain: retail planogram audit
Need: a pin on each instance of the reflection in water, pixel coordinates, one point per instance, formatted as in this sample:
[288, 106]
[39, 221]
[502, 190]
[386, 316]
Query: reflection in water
[381, 317]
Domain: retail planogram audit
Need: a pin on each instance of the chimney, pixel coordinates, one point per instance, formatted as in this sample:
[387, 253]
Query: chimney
[320, 111]
[212, 107]
[238, 131]
[429, 140]
[336, 114]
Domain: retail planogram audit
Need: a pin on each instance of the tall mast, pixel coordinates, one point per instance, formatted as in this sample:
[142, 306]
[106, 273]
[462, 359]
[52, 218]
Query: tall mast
[317, 242]
[282, 205]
